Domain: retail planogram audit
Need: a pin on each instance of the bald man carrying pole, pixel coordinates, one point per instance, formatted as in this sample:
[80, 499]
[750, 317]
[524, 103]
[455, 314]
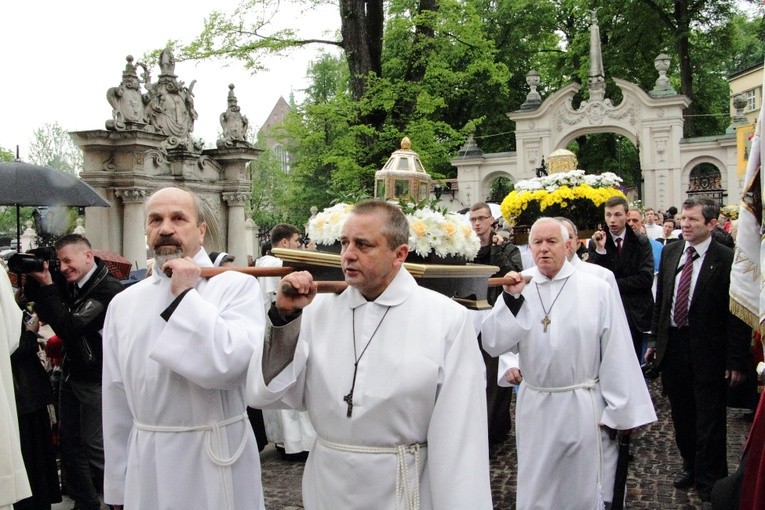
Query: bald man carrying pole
[581, 380]
[176, 353]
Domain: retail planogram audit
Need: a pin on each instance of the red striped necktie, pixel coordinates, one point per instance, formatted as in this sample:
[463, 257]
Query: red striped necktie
[683, 294]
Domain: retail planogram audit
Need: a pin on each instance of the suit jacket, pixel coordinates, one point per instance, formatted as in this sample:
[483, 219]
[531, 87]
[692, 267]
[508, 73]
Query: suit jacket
[720, 339]
[633, 270]
[665, 241]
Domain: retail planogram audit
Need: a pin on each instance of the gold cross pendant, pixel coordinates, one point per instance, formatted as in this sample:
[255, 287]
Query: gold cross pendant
[546, 322]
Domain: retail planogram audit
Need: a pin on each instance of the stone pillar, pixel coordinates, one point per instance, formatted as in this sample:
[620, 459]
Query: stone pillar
[251, 238]
[134, 231]
[235, 237]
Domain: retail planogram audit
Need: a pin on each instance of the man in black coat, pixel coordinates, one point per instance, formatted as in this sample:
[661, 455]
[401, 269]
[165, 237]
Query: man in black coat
[699, 346]
[630, 257]
[507, 257]
[76, 314]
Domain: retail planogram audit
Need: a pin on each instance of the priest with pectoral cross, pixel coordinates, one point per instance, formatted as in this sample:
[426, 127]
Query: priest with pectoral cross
[391, 376]
[581, 380]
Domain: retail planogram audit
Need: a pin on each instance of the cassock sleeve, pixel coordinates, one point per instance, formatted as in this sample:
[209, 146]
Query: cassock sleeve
[286, 378]
[503, 328]
[457, 442]
[210, 343]
[627, 401]
[507, 361]
[117, 418]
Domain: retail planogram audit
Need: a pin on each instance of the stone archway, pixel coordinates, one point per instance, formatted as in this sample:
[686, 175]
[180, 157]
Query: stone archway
[652, 121]
[704, 179]
[490, 183]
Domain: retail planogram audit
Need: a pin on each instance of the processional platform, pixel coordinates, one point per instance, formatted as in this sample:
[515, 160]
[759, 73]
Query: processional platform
[466, 284]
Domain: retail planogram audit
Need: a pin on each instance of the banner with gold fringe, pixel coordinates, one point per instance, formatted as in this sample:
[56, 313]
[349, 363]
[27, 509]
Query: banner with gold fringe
[747, 299]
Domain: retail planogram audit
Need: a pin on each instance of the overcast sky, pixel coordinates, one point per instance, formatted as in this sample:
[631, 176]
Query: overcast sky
[59, 59]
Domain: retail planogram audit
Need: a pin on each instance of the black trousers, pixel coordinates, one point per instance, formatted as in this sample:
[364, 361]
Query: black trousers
[698, 404]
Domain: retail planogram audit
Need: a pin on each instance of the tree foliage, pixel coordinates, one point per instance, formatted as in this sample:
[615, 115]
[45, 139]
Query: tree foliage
[52, 146]
[436, 71]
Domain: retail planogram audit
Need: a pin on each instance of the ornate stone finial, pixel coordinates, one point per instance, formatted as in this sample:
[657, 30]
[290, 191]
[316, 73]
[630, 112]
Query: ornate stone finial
[171, 106]
[533, 99]
[596, 82]
[126, 100]
[234, 124]
[738, 119]
[80, 228]
[406, 143]
[662, 88]
[470, 149]
[167, 62]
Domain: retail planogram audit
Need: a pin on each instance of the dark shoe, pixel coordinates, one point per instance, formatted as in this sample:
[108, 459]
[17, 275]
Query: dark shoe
[684, 479]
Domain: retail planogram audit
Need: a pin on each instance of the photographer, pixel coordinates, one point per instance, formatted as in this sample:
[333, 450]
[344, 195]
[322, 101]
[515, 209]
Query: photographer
[76, 313]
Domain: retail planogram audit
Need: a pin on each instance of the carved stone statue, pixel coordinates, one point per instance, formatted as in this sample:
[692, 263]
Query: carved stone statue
[232, 121]
[171, 105]
[127, 101]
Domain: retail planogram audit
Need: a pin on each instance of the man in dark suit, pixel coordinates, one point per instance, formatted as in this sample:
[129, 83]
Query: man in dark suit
[699, 346]
[630, 257]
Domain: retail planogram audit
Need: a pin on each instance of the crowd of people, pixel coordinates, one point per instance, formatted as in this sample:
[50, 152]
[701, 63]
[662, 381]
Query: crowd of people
[391, 393]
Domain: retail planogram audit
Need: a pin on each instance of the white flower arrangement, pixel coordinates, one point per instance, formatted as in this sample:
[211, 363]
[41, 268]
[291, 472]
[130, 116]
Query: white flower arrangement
[326, 227]
[429, 231]
[444, 234]
[571, 179]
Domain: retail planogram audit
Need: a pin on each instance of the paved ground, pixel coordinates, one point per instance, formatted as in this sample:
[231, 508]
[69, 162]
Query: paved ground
[649, 484]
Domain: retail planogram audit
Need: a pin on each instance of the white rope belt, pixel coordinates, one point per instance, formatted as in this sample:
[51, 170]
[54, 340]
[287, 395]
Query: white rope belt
[588, 384]
[210, 430]
[410, 495]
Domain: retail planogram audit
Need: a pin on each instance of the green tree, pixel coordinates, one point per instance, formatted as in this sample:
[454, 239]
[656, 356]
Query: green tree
[52, 146]
[685, 19]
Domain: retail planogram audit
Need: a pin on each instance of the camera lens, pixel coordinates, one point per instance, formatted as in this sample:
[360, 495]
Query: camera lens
[25, 263]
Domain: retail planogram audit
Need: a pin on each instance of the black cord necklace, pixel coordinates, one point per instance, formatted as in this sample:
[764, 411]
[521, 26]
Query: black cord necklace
[546, 321]
[348, 399]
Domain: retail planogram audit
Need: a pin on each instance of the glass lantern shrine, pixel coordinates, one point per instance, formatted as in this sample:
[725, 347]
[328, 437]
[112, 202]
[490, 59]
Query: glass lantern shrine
[403, 176]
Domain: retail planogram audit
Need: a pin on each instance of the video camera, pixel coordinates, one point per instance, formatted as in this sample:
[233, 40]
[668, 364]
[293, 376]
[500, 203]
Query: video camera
[33, 262]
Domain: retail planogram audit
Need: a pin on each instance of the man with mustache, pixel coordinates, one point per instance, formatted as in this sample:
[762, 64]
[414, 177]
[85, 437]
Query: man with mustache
[76, 314]
[175, 428]
[391, 376]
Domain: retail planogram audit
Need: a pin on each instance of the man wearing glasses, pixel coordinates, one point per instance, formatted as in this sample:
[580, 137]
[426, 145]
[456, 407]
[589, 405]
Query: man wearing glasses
[495, 251]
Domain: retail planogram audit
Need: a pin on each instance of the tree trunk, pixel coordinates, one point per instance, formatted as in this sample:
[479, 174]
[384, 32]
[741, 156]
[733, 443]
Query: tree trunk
[362, 33]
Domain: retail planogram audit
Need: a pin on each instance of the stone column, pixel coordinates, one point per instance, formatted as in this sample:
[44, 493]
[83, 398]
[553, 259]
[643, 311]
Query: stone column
[134, 230]
[236, 244]
[251, 238]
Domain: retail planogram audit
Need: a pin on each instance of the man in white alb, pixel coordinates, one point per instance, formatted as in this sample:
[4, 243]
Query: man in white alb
[390, 374]
[509, 373]
[176, 354]
[581, 380]
[290, 430]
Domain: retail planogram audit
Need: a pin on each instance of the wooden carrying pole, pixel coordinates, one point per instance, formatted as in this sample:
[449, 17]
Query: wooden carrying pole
[322, 286]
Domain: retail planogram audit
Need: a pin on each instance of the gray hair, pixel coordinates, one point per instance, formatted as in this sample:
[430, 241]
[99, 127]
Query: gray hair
[548, 219]
[396, 226]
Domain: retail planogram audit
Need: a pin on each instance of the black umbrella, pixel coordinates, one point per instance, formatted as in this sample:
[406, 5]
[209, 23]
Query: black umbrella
[26, 184]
